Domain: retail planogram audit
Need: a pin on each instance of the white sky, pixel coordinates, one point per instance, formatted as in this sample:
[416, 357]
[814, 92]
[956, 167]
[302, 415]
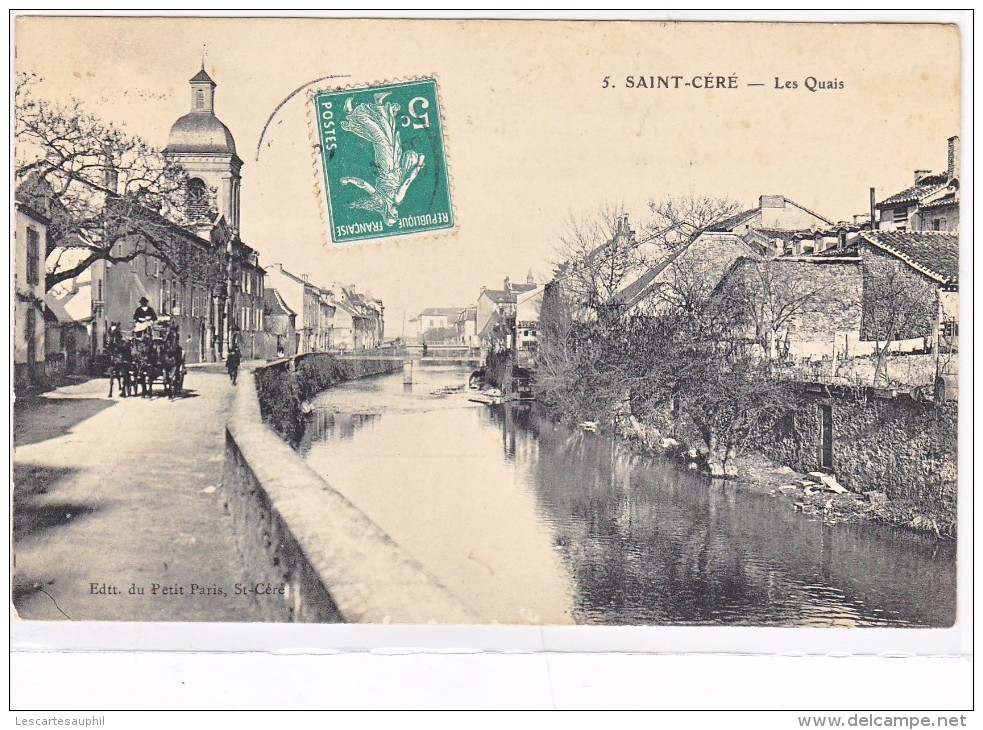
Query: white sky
[531, 135]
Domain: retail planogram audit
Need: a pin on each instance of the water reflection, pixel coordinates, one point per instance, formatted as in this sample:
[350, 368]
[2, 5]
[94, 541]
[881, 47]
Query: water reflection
[530, 521]
[322, 424]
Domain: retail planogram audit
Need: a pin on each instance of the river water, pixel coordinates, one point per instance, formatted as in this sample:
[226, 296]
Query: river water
[527, 521]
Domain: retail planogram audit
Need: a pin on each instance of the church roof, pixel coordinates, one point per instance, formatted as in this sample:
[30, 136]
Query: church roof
[202, 76]
[200, 131]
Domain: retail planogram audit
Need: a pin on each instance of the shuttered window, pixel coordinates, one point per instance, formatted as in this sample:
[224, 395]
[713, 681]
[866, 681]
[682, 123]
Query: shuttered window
[33, 257]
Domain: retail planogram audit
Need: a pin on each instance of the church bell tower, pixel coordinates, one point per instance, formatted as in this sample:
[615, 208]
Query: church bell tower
[204, 147]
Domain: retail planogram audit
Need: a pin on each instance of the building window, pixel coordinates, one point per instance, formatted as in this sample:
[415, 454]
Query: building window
[100, 290]
[199, 99]
[33, 257]
[937, 224]
[900, 215]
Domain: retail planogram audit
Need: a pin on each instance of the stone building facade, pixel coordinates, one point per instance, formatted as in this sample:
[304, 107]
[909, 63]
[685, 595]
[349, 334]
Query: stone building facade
[930, 204]
[30, 240]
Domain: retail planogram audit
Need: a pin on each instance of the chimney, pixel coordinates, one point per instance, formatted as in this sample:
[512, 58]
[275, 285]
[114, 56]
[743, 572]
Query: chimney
[507, 285]
[110, 175]
[921, 175]
[797, 246]
[304, 277]
[771, 201]
[953, 171]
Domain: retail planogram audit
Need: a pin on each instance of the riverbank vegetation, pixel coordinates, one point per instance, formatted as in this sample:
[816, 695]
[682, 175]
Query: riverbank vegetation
[285, 386]
[683, 363]
[692, 367]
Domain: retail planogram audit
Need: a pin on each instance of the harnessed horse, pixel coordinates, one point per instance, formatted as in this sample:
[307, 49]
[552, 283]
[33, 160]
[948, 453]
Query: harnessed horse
[120, 362]
[171, 359]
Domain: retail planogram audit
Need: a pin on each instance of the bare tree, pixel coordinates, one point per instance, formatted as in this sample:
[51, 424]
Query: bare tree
[588, 352]
[578, 374]
[775, 294]
[110, 195]
[598, 256]
[689, 273]
[677, 220]
[699, 366]
[898, 304]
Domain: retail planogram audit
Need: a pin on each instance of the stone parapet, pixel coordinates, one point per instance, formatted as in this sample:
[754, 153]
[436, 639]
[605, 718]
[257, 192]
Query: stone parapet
[297, 534]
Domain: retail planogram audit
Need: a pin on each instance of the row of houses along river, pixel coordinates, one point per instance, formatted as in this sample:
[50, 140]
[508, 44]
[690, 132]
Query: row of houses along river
[527, 521]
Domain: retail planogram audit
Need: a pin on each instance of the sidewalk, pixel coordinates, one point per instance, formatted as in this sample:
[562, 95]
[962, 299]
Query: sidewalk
[112, 495]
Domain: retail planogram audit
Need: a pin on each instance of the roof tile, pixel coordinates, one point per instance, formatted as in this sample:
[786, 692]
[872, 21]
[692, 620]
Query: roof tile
[931, 252]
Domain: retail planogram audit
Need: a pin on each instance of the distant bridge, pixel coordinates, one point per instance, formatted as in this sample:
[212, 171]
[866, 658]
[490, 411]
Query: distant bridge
[435, 359]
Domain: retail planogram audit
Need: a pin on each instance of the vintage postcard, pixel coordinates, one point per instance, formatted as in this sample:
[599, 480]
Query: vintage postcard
[491, 322]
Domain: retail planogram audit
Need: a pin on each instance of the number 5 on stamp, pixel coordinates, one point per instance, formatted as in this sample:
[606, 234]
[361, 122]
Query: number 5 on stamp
[381, 151]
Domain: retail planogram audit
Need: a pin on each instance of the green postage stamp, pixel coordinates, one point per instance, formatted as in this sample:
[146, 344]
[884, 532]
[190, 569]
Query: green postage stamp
[382, 155]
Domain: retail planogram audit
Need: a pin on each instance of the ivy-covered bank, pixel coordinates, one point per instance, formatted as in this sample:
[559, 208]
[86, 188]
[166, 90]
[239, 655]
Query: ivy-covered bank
[897, 457]
[905, 449]
[284, 387]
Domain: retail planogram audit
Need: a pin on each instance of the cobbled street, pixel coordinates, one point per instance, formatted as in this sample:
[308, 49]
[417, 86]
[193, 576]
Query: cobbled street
[117, 494]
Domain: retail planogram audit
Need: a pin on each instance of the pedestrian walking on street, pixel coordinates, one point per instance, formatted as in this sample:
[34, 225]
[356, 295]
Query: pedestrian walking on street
[232, 364]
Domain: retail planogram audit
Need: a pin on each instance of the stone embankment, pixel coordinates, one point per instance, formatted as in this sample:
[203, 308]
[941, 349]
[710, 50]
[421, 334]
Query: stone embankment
[295, 531]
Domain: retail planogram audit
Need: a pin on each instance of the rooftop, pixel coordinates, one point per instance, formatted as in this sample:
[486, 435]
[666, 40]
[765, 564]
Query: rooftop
[925, 186]
[273, 303]
[200, 131]
[441, 311]
[499, 296]
[933, 253]
[728, 224]
[202, 76]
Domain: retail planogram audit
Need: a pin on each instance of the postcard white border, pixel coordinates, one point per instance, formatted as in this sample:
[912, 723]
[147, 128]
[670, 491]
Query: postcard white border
[59, 642]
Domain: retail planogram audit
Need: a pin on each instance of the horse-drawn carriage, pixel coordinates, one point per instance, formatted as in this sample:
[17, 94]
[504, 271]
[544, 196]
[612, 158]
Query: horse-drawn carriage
[150, 354]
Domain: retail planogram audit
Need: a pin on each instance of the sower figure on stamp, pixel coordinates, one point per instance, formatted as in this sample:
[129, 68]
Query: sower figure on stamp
[395, 168]
[232, 363]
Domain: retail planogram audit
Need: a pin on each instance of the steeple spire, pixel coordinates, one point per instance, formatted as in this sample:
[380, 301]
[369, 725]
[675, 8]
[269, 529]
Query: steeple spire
[202, 91]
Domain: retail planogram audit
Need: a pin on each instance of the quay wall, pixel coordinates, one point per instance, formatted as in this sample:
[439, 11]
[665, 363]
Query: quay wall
[898, 446]
[325, 560]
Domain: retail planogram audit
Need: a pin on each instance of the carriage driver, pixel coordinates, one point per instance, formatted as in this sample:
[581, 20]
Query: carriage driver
[143, 315]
